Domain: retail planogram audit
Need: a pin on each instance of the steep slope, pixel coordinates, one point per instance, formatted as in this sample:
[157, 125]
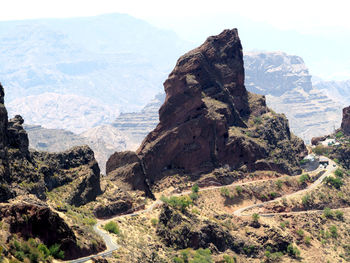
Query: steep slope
[27, 179]
[287, 83]
[209, 120]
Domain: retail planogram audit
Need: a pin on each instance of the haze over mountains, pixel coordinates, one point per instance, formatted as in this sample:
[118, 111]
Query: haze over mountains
[80, 73]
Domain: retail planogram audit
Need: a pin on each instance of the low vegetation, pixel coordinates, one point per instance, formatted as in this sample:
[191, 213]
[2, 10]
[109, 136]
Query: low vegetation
[112, 227]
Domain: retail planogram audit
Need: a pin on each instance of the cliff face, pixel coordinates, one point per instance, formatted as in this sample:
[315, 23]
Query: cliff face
[208, 120]
[23, 172]
[345, 124]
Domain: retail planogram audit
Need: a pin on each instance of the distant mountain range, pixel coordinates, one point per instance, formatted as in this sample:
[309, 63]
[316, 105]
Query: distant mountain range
[114, 60]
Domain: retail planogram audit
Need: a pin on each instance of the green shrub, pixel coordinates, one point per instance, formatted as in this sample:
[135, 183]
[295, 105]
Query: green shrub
[112, 227]
[304, 178]
[293, 251]
[258, 120]
[327, 212]
[255, 217]
[307, 240]
[334, 232]
[273, 195]
[202, 256]
[228, 259]
[56, 252]
[154, 221]
[239, 189]
[304, 161]
[279, 183]
[334, 182]
[339, 215]
[300, 232]
[339, 134]
[306, 200]
[181, 203]
[338, 173]
[195, 188]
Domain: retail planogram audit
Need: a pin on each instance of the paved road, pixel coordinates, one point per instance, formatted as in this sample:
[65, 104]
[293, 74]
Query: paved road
[330, 169]
[111, 246]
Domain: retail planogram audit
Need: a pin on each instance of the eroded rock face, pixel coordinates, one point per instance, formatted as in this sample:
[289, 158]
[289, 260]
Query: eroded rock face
[206, 101]
[23, 172]
[37, 221]
[345, 124]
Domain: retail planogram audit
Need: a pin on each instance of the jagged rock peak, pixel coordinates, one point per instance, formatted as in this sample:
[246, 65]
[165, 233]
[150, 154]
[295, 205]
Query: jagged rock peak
[209, 120]
[345, 124]
[2, 94]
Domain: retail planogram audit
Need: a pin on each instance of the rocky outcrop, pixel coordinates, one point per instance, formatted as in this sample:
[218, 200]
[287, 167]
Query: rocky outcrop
[345, 124]
[316, 140]
[24, 172]
[38, 221]
[17, 136]
[205, 120]
[180, 231]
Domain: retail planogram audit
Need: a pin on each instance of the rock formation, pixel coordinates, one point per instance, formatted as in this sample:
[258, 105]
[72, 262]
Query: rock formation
[23, 171]
[209, 120]
[345, 123]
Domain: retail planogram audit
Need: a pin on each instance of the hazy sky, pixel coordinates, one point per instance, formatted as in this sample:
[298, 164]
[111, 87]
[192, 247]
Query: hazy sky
[307, 26]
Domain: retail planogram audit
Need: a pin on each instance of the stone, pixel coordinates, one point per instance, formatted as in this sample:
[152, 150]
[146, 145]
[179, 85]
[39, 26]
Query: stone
[345, 123]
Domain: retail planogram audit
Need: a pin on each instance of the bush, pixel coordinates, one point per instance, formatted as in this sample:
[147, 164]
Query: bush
[334, 231]
[279, 183]
[339, 135]
[195, 188]
[327, 212]
[339, 215]
[338, 173]
[293, 251]
[56, 252]
[304, 161]
[239, 189]
[304, 178]
[255, 217]
[181, 203]
[112, 227]
[154, 221]
[300, 232]
[228, 259]
[202, 256]
[307, 240]
[334, 182]
[306, 199]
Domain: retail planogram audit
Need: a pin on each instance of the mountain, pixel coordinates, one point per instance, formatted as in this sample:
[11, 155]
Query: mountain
[337, 90]
[115, 60]
[209, 120]
[138, 124]
[286, 82]
[28, 180]
[103, 140]
[65, 111]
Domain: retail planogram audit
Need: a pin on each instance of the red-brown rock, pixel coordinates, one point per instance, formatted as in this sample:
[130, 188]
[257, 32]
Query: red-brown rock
[345, 124]
[205, 99]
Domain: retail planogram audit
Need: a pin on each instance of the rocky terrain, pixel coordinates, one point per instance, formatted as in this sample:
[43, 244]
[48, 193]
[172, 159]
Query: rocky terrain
[286, 82]
[103, 140]
[28, 177]
[209, 120]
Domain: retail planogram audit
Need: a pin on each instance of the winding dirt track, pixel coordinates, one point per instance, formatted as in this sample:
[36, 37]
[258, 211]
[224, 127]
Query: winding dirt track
[111, 246]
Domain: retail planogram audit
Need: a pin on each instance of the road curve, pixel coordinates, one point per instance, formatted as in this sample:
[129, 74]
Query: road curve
[330, 169]
[111, 246]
